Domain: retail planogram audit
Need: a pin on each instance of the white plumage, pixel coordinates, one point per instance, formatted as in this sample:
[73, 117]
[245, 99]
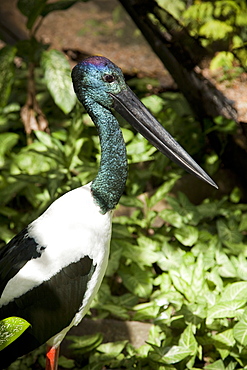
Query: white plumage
[59, 230]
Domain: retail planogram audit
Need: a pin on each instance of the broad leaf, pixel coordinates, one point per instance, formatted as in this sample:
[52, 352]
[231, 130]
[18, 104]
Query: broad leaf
[162, 191]
[31, 9]
[85, 343]
[225, 309]
[240, 332]
[135, 279]
[7, 141]
[112, 349]
[10, 329]
[226, 337]
[58, 5]
[187, 340]
[235, 291]
[176, 354]
[57, 75]
[66, 363]
[187, 235]
[217, 365]
[227, 233]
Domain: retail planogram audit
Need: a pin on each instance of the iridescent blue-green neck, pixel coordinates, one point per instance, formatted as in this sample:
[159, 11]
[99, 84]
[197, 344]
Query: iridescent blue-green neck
[109, 184]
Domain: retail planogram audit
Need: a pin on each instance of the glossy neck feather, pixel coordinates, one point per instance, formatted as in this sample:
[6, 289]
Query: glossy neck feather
[109, 184]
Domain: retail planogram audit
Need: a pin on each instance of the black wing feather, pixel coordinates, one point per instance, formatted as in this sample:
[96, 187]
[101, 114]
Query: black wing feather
[15, 254]
[49, 307]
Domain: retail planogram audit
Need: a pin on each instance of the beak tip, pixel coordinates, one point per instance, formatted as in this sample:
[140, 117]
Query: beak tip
[210, 182]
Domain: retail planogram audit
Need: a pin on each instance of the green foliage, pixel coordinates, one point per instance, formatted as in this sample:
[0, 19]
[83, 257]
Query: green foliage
[223, 22]
[177, 265]
[7, 55]
[58, 80]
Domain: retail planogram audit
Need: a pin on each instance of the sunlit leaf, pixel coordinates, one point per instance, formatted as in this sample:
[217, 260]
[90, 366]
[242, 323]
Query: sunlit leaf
[215, 29]
[135, 279]
[226, 337]
[240, 332]
[187, 235]
[176, 354]
[154, 103]
[162, 191]
[10, 329]
[217, 365]
[187, 340]
[225, 309]
[57, 75]
[235, 291]
[112, 349]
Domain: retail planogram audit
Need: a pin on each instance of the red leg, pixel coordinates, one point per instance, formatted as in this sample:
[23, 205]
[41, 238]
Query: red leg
[52, 355]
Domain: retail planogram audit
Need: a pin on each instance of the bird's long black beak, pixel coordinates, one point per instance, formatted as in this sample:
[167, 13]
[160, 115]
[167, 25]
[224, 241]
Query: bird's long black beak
[129, 106]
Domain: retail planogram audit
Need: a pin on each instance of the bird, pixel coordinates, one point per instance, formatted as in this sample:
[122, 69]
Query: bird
[51, 271]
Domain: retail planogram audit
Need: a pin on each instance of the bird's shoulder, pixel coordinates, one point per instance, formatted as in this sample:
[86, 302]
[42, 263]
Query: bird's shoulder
[15, 254]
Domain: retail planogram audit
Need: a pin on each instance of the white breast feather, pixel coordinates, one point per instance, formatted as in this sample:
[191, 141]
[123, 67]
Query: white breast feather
[71, 228]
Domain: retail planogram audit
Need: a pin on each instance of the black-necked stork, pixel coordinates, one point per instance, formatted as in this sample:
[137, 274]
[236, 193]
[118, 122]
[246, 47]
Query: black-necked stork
[51, 271]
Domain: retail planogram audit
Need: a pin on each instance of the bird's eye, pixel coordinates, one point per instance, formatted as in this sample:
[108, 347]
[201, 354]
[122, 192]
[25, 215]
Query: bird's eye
[109, 78]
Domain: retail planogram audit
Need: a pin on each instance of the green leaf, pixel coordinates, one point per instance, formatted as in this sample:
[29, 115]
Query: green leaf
[140, 255]
[225, 309]
[135, 279]
[126, 300]
[10, 329]
[7, 141]
[187, 340]
[240, 332]
[181, 283]
[9, 192]
[146, 311]
[112, 349]
[114, 260]
[198, 277]
[58, 5]
[226, 267]
[154, 103]
[226, 337]
[243, 223]
[58, 80]
[187, 235]
[116, 311]
[222, 59]
[162, 191]
[128, 135]
[85, 343]
[217, 365]
[7, 55]
[215, 29]
[235, 291]
[172, 217]
[131, 201]
[228, 233]
[176, 354]
[66, 363]
[31, 9]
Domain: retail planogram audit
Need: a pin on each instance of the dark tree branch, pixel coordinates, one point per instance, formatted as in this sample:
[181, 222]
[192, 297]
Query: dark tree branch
[175, 49]
[181, 54]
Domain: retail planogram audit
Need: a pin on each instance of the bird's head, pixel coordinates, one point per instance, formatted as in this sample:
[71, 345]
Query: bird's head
[96, 78]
